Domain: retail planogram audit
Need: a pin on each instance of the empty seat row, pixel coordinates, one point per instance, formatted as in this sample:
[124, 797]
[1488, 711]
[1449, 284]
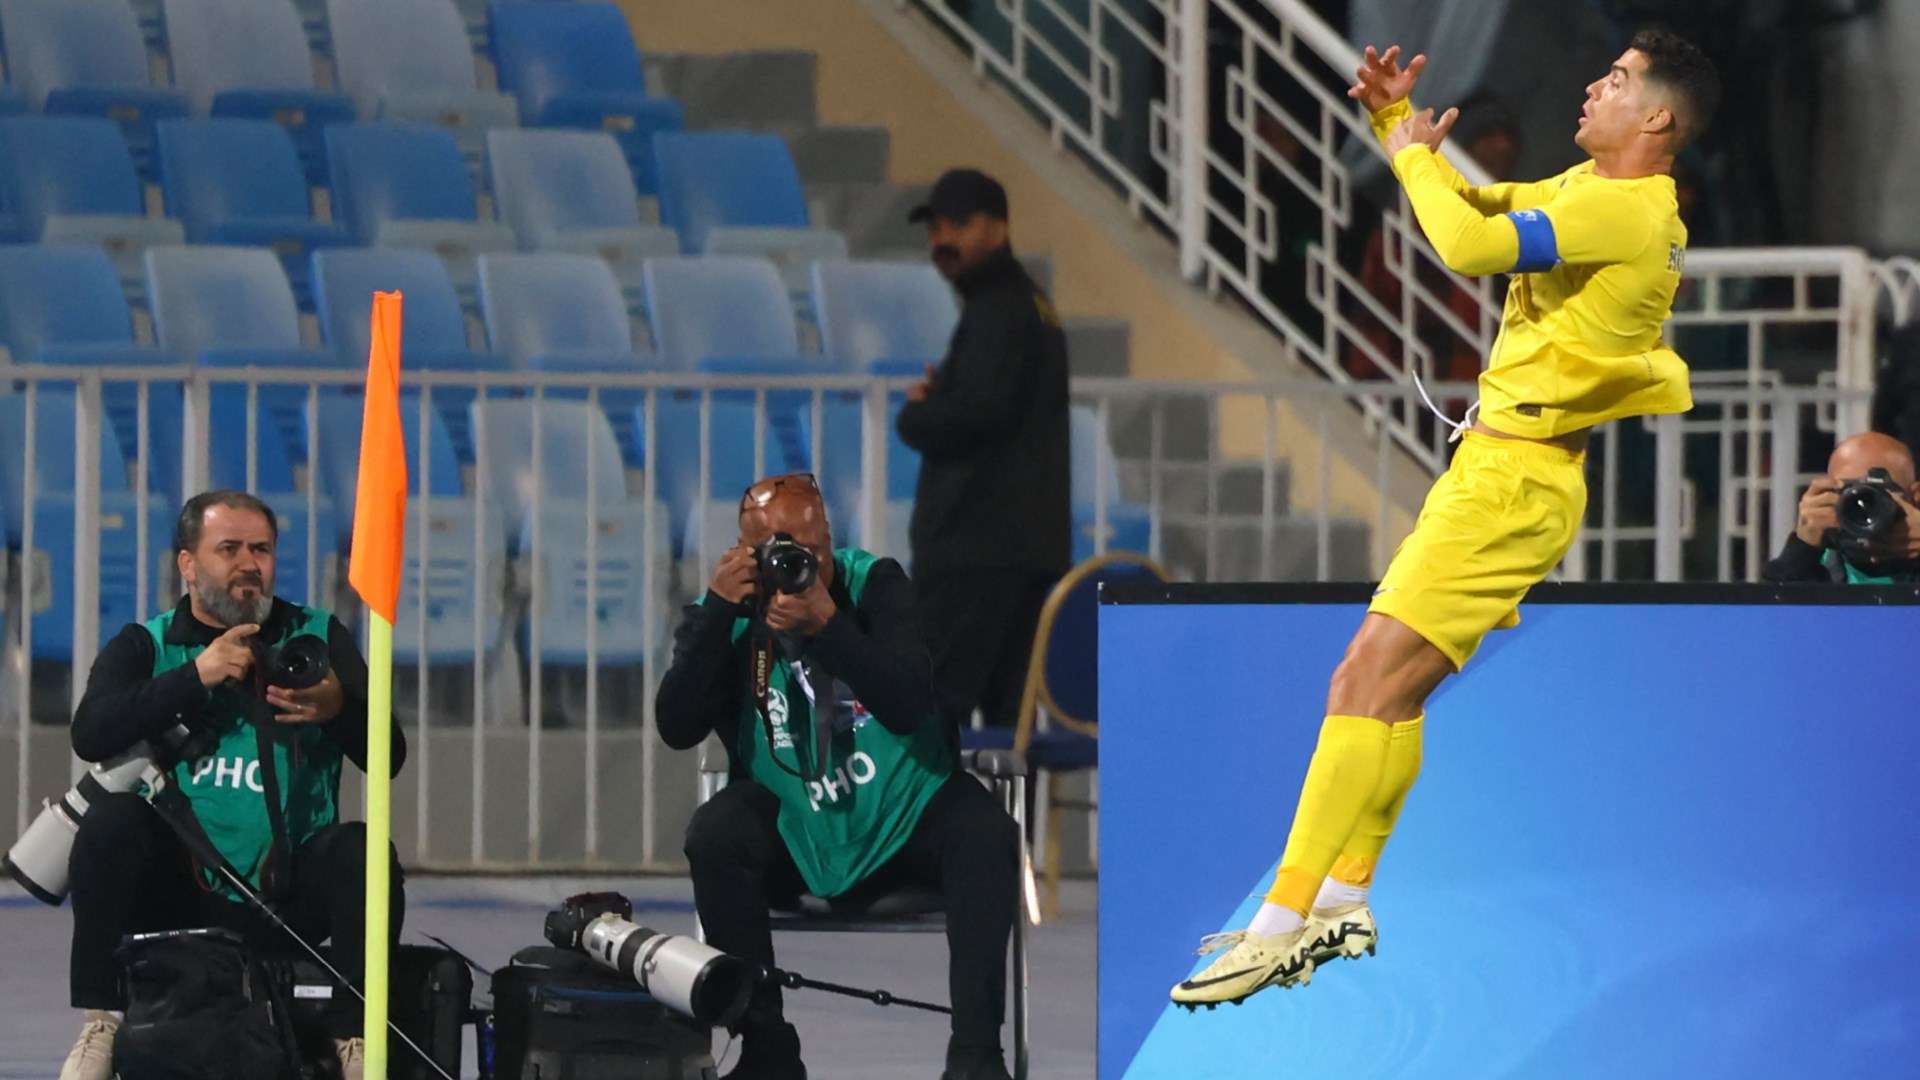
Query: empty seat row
[239, 181]
[571, 65]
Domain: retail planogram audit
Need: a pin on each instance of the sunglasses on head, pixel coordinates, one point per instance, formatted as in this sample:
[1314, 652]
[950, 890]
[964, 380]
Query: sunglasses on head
[761, 492]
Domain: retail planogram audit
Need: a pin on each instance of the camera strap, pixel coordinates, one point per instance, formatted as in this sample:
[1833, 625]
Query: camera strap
[762, 652]
[275, 873]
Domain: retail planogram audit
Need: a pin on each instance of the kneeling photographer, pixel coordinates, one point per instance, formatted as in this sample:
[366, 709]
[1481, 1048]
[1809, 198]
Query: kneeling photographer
[258, 776]
[809, 663]
[1860, 523]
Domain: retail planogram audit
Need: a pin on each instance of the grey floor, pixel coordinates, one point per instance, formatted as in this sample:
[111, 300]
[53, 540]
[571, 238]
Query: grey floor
[489, 918]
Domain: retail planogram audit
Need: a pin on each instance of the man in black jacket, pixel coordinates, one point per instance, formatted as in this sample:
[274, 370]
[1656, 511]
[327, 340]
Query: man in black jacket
[991, 527]
[195, 665]
[1816, 552]
[853, 806]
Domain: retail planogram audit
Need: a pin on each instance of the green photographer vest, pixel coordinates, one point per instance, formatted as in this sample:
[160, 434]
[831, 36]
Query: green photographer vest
[1855, 575]
[846, 825]
[225, 787]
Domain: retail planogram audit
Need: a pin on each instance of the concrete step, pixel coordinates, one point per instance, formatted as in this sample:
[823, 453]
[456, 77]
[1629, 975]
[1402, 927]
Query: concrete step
[871, 214]
[1098, 345]
[1237, 549]
[1183, 429]
[839, 155]
[1183, 486]
[752, 91]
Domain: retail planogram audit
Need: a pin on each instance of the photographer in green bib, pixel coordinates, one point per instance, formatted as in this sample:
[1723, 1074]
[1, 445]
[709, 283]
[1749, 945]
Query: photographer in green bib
[1860, 523]
[809, 664]
[259, 778]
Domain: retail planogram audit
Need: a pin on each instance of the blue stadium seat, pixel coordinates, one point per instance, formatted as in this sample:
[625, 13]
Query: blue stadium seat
[576, 65]
[71, 180]
[51, 564]
[229, 308]
[409, 61]
[12, 102]
[225, 305]
[873, 311]
[570, 191]
[564, 313]
[87, 57]
[405, 185]
[726, 179]
[269, 77]
[1129, 525]
[793, 253]
[557, 313]
[237, 182]
[62, 305]
[722, 308]
[433, 329]
[569, 432]
[446, 517]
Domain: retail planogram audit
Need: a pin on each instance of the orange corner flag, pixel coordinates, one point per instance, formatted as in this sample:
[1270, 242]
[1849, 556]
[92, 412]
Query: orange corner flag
[380, 503]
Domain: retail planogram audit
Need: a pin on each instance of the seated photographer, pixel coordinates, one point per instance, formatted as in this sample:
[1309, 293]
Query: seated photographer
[1860, 523]
[867, 800]
[271, 814]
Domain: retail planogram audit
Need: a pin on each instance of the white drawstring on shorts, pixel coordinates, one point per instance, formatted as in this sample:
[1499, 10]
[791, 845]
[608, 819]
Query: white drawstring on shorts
[1459, 426]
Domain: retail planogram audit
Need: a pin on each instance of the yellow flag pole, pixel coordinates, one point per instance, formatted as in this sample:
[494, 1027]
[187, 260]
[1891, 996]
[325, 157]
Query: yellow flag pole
[379, 837]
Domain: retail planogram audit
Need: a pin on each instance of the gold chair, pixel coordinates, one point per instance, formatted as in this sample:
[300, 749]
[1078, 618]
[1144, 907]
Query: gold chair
[1062, 682]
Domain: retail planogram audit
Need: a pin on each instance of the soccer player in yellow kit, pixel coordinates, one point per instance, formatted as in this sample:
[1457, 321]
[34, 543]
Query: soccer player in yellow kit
[1596, 254]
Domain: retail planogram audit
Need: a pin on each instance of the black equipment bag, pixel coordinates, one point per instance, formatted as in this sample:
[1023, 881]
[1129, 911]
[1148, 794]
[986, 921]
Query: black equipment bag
[199, 1008]
[558, 1016]
[430, 997]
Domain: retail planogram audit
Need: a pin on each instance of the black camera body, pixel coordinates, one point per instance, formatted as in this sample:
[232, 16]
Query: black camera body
[566, 922]
[297, 663]
[785, 566]
[1868, 509]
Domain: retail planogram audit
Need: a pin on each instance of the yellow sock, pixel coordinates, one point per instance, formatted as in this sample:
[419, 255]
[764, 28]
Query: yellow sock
[1361, 854]
[1340, 783]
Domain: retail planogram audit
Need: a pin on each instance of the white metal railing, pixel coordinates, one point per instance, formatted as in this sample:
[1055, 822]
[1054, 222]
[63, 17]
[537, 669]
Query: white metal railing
[1278, 164]
[490, 783]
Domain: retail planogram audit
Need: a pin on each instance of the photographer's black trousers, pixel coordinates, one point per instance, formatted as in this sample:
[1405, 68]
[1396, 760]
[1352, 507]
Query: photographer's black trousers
[132, 875]
[979, 626]
[965, 845]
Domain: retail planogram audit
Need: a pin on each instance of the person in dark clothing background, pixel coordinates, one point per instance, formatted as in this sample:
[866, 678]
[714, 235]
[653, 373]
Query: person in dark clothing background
[1896, 387]
[194, 665]
[1816, 552]
[991, 528]
[851, 808]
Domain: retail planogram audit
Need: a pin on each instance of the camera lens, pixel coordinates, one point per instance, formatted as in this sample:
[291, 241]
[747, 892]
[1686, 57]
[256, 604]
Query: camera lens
[785, 566]
[1866, 511]
[300, 663]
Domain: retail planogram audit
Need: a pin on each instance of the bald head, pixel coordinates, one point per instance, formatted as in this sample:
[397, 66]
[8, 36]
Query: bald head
[1872, 450]
[800, 515]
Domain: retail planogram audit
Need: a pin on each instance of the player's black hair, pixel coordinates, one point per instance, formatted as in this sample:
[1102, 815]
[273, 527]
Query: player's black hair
[1678, 65]
[193, 516]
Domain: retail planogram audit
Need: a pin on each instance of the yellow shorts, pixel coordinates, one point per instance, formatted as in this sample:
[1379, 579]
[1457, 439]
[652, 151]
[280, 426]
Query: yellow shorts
[1493, 526]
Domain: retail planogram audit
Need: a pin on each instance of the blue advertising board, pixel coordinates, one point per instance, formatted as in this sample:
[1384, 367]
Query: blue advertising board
[1661, 832]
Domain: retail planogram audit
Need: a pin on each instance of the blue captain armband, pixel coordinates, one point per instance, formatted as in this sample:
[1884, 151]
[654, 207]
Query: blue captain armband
[1538, 248]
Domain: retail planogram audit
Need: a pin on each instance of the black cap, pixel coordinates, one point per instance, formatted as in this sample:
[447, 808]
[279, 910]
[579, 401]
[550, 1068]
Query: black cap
[961, 193]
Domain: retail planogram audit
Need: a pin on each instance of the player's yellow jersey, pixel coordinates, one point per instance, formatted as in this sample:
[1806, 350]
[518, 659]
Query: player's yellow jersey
[1596, 262]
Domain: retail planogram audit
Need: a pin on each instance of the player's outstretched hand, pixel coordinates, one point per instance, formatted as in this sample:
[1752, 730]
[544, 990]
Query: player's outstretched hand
[1380, 80]
[1421, 128]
